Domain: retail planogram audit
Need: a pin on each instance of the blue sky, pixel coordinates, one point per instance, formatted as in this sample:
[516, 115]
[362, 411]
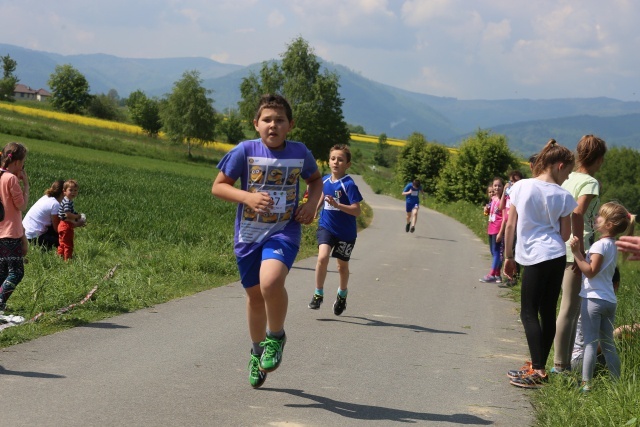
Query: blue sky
[467, 49]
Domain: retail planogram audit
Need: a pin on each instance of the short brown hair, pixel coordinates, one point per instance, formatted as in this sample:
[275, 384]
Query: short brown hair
[342, 147]
[276, 102]
[70, 183]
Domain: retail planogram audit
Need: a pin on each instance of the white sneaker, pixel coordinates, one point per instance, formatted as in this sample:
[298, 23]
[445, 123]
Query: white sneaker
[16, 320]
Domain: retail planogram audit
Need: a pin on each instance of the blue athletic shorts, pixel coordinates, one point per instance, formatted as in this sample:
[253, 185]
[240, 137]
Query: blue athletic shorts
[341, 249]
[412, 205]
[249, 265]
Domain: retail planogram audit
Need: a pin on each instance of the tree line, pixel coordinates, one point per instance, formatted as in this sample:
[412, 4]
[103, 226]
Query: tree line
[465, 175]
[186, 115]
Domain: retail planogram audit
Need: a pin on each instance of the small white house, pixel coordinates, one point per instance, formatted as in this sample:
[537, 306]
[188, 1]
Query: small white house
[24, 92]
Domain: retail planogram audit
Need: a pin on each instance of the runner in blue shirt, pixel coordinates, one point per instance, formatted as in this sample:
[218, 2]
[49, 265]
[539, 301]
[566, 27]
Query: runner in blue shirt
[412, 192]
[337, 229]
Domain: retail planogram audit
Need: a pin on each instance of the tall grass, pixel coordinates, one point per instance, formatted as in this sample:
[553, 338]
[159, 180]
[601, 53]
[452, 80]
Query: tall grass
[155, 219]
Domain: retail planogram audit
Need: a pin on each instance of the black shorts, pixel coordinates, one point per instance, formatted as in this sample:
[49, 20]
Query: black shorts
[341, 249]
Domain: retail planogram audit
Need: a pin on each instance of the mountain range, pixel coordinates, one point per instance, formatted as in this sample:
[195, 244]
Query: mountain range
[377, 107]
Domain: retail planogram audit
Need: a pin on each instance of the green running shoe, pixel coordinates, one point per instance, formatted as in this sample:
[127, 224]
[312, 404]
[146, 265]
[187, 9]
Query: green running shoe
[272, 355]
[256, 376]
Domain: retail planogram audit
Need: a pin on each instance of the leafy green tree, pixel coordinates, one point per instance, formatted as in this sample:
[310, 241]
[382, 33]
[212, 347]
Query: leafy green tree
[9, 79]
[422, 160]
[619, 178]
[69, 89]
[314, 98]
[434, 158]
[480, 158]
[379, 155]
[254, 86]
[231, 127]
[188, 114]
[356, 129]
[104, 107]
[409, 165]
[145, 112]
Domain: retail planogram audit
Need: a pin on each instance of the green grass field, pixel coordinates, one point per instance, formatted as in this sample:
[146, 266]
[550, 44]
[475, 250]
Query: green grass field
[151, 213]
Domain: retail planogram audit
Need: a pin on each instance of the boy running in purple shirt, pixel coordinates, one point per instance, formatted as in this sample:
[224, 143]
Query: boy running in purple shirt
[267, 225]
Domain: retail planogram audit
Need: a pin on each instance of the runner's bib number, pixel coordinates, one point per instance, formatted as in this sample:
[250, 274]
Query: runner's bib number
[279, 201]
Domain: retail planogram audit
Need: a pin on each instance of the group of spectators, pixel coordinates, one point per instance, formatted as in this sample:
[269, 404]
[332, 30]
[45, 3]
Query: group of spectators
[557, 247]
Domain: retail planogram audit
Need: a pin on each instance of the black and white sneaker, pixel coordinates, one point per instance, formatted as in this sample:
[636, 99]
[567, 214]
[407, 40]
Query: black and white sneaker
[340, 305]
[316, 301]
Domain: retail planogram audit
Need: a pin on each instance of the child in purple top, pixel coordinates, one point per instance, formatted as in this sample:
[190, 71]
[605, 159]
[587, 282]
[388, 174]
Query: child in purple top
[266, 236]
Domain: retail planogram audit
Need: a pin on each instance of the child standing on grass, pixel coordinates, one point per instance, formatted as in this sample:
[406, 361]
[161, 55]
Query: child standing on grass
[495, 230]
[540, 217]
[337, 228]
[13, 243]
[412, 193]
[505, 205]
[577, 354]
[599, 301]
[69, 219]
[267, 225]
[586, 190]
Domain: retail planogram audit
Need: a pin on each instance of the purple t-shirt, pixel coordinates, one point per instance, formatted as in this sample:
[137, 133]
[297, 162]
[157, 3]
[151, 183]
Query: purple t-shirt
[261, 169]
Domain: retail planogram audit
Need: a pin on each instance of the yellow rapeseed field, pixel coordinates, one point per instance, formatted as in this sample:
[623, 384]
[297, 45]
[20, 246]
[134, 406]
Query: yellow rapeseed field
[73, 118]
[123, 127]
[374, 139]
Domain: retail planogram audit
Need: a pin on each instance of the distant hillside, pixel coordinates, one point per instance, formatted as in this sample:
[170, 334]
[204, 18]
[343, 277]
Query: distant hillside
[377, 107]
[529, 137]
[105, 72]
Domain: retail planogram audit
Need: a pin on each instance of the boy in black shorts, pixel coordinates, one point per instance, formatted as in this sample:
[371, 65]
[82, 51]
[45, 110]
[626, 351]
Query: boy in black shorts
[337, 229]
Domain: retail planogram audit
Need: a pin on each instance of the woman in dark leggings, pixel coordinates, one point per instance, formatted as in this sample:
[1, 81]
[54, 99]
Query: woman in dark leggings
[540, 217]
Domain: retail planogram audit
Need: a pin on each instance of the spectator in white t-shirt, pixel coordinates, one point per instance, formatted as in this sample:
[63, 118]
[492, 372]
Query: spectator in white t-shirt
[41, 222]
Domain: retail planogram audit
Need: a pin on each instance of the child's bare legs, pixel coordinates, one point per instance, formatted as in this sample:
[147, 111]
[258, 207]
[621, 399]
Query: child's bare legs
[267, 302]
[414, 217]
[276, 300]
[256, 314]
[343, 271]
[324, 252]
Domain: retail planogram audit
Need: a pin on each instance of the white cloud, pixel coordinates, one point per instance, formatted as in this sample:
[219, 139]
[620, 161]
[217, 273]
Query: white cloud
[192, 14]
[420, 12]
[276, 19]
[497, 32]
[481, 49]
[220, 57]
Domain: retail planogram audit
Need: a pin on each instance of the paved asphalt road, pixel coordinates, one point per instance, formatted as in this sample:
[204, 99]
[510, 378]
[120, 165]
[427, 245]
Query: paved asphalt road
[421, 342]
